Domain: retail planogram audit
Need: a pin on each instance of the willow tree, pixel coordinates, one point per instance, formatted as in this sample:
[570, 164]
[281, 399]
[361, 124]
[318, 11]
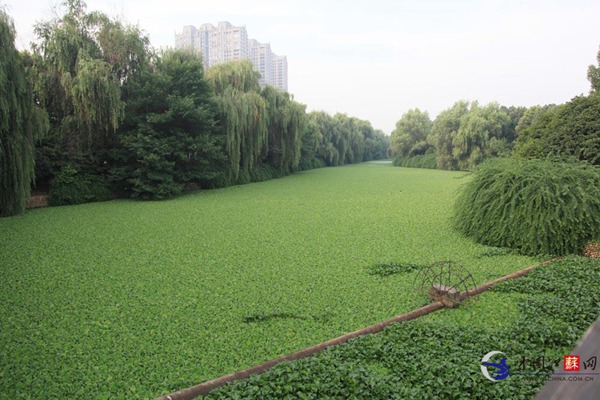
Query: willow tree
[286, 124]
[243, 115]
[376, 146]
[326, 150]
[443, 131]
[351, 130]
[75, 84]
[21, 123]
[342, 139]
[480, 129]
[410, 136]
[80, 68]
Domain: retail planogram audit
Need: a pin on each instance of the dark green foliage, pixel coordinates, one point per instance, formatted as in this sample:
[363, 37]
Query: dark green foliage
[429, 360]
[571, 129]
[70, 186]
[421, 161]
[392, 268]
[311, 163]
[261, 172]
[510, 129]
[21, 124]
[168, 141]
[377, 145]
[533, 206]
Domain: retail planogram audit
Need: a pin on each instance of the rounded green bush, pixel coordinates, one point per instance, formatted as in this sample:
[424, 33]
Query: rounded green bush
[533, 206]
[70, 186]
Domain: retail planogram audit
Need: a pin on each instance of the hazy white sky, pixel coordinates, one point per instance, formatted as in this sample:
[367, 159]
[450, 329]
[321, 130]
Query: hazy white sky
[377, 59]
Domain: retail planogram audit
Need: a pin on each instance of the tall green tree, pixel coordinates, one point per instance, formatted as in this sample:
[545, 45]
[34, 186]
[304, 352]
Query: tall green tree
[466, 134]
[170, 140]
[243, 116]
[481, 129]
[376, 146]
[21, 124]
[510, 131]
[80, 68]
[311, 142]
[327, 150]
[410, 136]
[444, 129]
[286, 123]
[75, 85]
[594, 75]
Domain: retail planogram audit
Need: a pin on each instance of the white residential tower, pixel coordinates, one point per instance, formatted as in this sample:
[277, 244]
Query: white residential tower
[226, 42]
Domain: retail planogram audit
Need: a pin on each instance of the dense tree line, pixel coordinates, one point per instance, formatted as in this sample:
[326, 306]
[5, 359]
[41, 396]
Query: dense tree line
[93, 112]
[466, 134]
[461, 136]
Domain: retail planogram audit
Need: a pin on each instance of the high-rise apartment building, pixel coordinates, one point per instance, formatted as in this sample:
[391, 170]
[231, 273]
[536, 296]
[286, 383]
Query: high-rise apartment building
[194, 39]
[262, 59]
[280, 76]
[226, 42]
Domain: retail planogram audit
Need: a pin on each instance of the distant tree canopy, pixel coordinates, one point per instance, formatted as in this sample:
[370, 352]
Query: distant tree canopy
[411, 133]
[268, 133]
[342, 140]
[466, 134]
[21, 124]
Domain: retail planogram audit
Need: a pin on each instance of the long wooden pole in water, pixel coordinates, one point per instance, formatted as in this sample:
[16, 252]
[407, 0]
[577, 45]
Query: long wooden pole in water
[208, 386]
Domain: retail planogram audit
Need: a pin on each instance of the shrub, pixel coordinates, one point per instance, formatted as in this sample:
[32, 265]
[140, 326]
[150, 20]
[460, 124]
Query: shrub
[533, 206]
[70, 186]
[422, 161]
